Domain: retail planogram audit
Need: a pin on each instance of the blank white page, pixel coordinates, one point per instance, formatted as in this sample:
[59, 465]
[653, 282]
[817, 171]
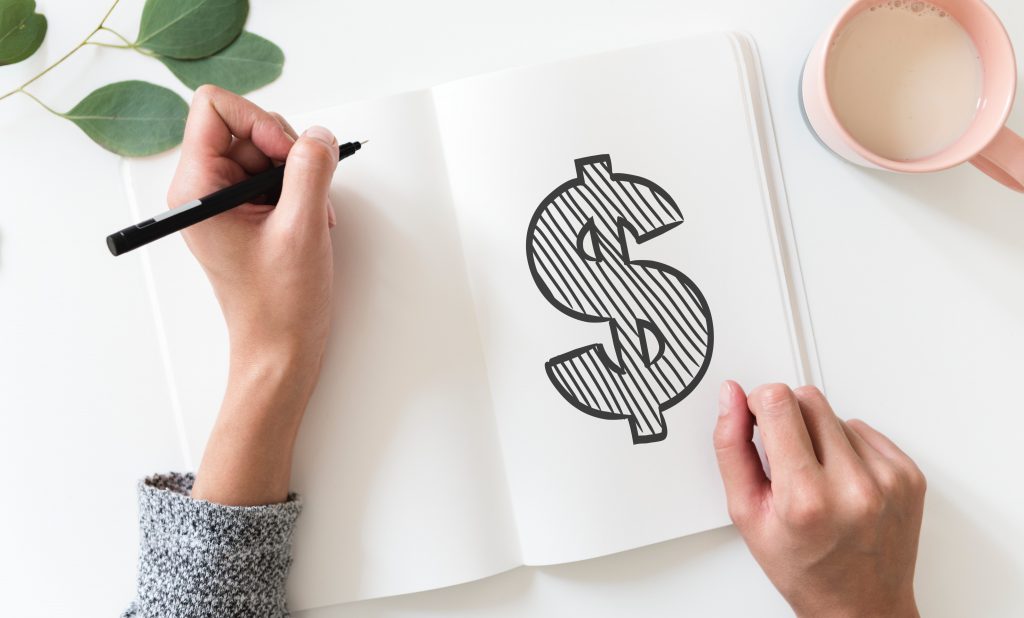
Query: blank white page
[678, 114]
[397, 460]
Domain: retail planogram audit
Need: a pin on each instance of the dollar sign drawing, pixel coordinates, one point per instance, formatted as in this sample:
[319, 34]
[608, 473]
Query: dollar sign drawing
[577, 249]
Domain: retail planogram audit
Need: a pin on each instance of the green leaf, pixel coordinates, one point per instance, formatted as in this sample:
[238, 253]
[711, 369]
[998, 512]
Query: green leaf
[21, 30]
[132, 118]
[245, 65]
[190, 29]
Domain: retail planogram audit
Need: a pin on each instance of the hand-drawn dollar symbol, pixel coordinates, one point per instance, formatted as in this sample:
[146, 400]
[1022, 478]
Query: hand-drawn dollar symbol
[577, 246]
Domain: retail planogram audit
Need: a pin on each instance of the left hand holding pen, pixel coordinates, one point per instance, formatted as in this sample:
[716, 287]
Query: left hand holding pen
[836, 527]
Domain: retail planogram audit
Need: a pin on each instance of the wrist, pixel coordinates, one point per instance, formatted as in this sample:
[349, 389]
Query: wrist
[278, 360]
[248, 456]
[281, 377]
[261, 337]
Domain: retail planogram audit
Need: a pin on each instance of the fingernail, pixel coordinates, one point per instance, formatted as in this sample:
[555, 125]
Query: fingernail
[322, 134]
[724, 398]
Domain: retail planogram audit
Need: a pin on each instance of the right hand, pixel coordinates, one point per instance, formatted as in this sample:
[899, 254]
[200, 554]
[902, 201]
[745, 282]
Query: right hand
[272, 271]
[271, 267]
[836, 526]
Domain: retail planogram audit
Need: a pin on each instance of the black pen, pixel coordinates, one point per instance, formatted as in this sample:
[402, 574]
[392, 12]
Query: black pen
[179, 218]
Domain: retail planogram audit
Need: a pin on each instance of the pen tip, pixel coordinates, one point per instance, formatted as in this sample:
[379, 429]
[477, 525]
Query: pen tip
[363, 142]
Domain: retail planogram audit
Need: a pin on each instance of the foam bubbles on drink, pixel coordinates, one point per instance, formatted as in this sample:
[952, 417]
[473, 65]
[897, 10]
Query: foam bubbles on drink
[919, 8]
[904, 79]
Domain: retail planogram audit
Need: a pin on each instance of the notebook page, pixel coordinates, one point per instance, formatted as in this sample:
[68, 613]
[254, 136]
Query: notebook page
[677, 116]
[397, 459]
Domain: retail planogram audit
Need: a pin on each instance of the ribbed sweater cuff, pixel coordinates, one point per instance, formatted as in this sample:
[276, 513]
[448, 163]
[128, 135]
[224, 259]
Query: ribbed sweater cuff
[199, 559]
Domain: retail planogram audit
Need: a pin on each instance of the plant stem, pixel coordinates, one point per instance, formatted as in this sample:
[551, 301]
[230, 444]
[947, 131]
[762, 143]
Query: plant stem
[112, 45]
[45, 106]
[118, 35]
[127, 44]
[107, 16]
[84, 42]
[46, 70]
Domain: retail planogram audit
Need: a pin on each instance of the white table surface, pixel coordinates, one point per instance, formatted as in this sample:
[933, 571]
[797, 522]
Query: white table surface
[914, 284]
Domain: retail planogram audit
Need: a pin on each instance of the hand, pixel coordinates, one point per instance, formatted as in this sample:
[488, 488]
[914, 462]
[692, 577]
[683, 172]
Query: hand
[272, 271]
[271, 268]
[836, 527]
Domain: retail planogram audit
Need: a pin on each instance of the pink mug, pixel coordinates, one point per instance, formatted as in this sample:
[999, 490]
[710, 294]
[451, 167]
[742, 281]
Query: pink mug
[988, 143]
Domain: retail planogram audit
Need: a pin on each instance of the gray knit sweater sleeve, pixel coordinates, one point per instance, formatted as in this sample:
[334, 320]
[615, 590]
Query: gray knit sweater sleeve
[199, 559]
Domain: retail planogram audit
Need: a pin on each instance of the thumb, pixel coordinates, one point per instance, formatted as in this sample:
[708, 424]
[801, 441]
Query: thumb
[742, 473]
[307, 177]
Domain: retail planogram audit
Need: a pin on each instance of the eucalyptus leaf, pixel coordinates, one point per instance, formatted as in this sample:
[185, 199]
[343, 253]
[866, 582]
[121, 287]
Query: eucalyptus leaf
[132, 118]
[21, 30]
[247, 64]
[190, 29]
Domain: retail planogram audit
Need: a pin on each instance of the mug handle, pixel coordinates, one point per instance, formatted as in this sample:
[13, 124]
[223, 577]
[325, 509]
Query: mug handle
[1003, 159]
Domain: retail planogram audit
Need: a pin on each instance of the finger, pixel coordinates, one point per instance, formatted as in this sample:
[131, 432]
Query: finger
[827, 436]
[865, 451]
[878, 441]
[216, 115]
[892, 468]
[307, 176]
[215, 118]
[285, 125]
[879, 466]
[287, 129]
[738, 462]
[784, 433]
[248, 156]
[332, 215]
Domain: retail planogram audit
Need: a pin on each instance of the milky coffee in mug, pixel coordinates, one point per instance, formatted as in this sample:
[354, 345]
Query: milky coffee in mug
[915, 86]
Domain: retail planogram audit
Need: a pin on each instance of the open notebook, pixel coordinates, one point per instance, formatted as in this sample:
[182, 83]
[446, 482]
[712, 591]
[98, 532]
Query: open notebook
[543, 275]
